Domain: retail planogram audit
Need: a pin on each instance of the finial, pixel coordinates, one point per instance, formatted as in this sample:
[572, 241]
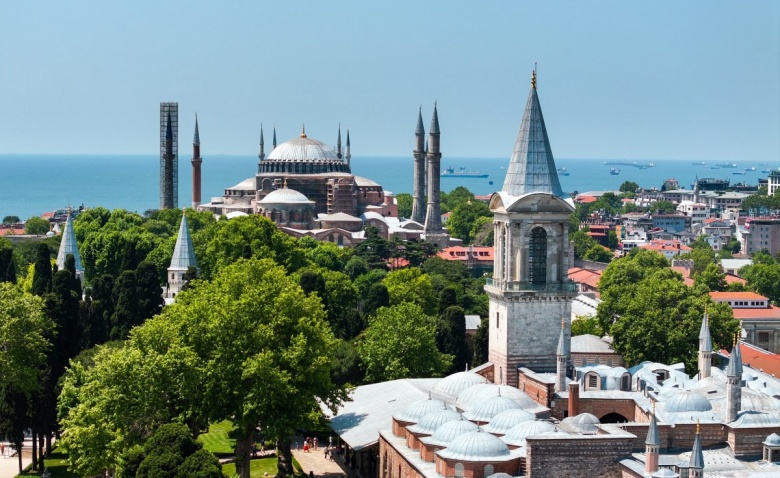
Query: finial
[698, 426]
[563, 323]
[284, 184]
[303, 131]
[653, 408]
[533, 77]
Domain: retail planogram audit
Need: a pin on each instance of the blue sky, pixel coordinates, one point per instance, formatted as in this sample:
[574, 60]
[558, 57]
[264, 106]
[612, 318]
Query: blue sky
[617, 79]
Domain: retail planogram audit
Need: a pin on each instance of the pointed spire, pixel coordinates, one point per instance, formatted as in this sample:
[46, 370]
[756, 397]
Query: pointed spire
[562, 340]
[347, 140]
[168, 128]
[303, 131]
[183, 252]
[705, 339]
[274, 139]
[196, 138]
[261, 154]
[734, 368]
[68, 245]
[338, 144]
[653, 437]
[697, 456]
[420, 130]
[435, 121]
[532, 167]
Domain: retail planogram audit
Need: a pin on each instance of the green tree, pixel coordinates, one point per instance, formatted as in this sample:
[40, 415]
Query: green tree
[411, 285]
[582, 243]
[400, 342]
[597, 253]
[662, 207]
[712, 277]
[763, 276]
[355, 267]
[482, 231]
[586, 325]
[43, 271]
[451, 200]
[451, 337]
[7, 263]
[11, 220]
[36, 226]
[628, 187]
[404, 201]
[479, 343]
[172, 453]
[464, 216]
[376, 298]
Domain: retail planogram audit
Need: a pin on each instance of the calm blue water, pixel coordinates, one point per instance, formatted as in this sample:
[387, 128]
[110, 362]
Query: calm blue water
[31, 185]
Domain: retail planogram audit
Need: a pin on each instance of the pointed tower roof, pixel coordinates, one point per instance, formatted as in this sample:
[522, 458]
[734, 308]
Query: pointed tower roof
[420, 128]
[183, 253]
[274, 140]
[704, 335]
[653, 437]
[68, 246]
[435, 121]
[697, 456]
[734, 368]
[562, 340]
[196, 139]
[347, 138]
[532, 168]
[168, 129]
[262, 140]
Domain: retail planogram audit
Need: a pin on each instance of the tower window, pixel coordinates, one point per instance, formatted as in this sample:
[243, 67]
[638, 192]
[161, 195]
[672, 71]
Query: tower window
[537, 257]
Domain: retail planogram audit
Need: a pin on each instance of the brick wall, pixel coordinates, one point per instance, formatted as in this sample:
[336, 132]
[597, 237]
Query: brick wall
[599, 408]
[576, 458]
[539, 389]
[392, 464]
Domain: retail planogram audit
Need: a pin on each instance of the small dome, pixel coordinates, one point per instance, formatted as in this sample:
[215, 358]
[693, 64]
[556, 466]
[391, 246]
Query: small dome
[284, 196]
[517, 434]
[506, 391]
[453, 384]
[585, 423]
[502, 422]
[475, 446]
[303, 149]
[486, 410]
[469, 395]
[687, 401]
[452, 430]
[414, 412]
[500, 475]
[430, 422]
[248, 184]
[772, 440]
[665, 473]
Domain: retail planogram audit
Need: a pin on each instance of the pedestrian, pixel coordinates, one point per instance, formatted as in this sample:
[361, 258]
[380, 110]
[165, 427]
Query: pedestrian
[306, 447]
[2, 449]
[311, 474]
[315, 443]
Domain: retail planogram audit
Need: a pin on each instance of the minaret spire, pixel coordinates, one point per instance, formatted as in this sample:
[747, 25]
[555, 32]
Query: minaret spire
[348, 156]
[274, 139]
[696, 463]
[705, 347]
[418, 186]
[196, 163]
[338, 144]
[562, 355]
[261, 155]
[734, 383]
[433, 229]
[68, 245]
[183, 258]
[652, 445]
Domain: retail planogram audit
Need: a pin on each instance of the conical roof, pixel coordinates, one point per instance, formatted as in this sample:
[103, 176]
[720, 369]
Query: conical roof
[196, 138]
[183, 253]
[735, 362]
[562, 342]
[697, 456]
[653, 437]
[705, 339]
[532, 168]
[68, 246]
[435, 121]
[420, 128]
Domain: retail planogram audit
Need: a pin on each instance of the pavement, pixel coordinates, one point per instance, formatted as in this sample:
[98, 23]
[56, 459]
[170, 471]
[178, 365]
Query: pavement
[9, 465]
[315, 461]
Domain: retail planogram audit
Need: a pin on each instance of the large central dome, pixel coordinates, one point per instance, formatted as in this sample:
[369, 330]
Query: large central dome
[303, 149]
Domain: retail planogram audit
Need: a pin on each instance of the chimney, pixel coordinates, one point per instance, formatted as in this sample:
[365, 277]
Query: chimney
[574, 399]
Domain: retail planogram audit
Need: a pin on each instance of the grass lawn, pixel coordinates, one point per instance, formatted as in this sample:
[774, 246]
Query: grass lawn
[217, 440]
[257, 468]
[57, 465]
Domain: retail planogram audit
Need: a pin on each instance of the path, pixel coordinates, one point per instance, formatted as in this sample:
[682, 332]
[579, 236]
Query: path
[9, 465]
[315, 461]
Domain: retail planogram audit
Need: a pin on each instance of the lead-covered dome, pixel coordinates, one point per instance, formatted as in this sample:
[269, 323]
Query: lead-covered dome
[687, 401]
[303, 155]
[585, 423]
[285, 196]
[504, 421]
[475, 446]
[486, 410]
[453, 384]
[449, 431]
[414, 412]
[505, 391]
[430, 422]
[516, 435]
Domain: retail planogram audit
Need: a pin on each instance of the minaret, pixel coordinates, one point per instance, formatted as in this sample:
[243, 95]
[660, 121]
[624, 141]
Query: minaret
[696, 190]
[530, 290]
[705, 348]
[734, 383]
[652, 445]
[418, 186]
[261, 153]
[167, 200]
[196, 162]
[562, 353]
[274, 140]
[348, 156]
[183, 258]
[433, 212]
[68, 245]
[338, 144]
[696, 463]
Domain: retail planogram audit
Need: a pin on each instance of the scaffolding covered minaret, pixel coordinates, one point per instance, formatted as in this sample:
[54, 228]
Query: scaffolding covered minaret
[196, 162]
[169, 155]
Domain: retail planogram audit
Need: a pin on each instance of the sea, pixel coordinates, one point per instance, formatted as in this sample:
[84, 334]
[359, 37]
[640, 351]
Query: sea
[33, 184]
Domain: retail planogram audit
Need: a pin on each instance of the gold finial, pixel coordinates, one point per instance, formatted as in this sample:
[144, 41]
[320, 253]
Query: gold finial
[653, 408]
[533, 78]
[303, 131]
[698, 426]
[284, 185]
[563, 323]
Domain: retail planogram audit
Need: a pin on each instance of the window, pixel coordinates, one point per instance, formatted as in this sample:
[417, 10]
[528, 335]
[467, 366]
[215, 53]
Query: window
[626, 385]
[593, 381]
[537, 257]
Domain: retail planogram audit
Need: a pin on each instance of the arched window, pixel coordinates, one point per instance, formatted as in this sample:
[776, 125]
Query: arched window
[537, 256]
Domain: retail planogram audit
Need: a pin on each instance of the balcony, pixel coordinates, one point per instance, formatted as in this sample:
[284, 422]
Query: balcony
[524, 286]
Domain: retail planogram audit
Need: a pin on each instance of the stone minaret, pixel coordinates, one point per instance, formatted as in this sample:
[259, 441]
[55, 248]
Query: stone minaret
[562, 359]
[338, 145]
[705, 348]
[196, 162]
[261, 153]
[68, 245]
[274, 139]
[530, 289]
[696, 463]
[418, 187]
[168, 160]
[734, 384]
[348, 154]
[433, 230]
[696, 190]
[183, 258]
[652, 445]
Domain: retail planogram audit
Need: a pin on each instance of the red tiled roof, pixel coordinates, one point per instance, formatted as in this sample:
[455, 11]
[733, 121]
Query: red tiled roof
[586, 199]
[585, 276]
[461, 253]
[11, 231]
[731, 278]
[760, 359]
[662, 245]
[752, 313]
[724, 296]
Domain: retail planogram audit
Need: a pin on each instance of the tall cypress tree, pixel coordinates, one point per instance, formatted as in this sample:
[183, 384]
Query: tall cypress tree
[42, 271]
[7, 266]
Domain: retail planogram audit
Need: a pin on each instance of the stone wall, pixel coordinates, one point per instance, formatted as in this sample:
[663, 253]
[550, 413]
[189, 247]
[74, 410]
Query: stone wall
[392, 464]
[538, 388]
[585, 457]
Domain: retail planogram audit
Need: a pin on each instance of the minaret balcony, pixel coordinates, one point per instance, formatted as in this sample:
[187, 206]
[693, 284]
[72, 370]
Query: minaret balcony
[528, 286]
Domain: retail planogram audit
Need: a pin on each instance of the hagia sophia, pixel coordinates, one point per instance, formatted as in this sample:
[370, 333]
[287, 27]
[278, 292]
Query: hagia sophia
[532, 410]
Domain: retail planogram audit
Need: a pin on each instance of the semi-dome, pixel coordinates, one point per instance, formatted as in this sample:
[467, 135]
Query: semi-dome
[505, 391]
[414, 412]
[475, 446]
[430, 422]
[504, 421]
[585, 423]
[303, 148]
[687, 401]
[453, 384]
[486, 410]
[285, 196]
[450, 431]
[500, 475]
[516, 435]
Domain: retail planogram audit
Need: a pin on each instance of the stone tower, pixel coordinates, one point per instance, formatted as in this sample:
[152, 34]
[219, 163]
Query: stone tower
[348, 154]
[734, 384]
[562, 355]
[652, 445]
[418, 189]
[261, 153]
[183, 258]
[696, 462]
[338, 145]
[705, 348]
[196, 162]
[433, 230]
[68, 245]
[530, 291]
